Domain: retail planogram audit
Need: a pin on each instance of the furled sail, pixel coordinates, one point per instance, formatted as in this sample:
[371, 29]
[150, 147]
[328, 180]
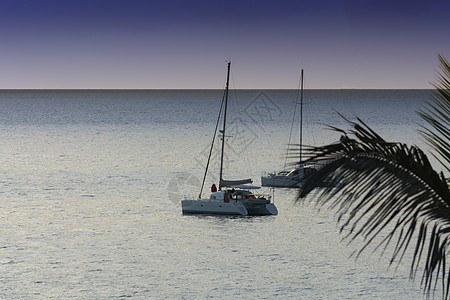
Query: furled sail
[225, 183]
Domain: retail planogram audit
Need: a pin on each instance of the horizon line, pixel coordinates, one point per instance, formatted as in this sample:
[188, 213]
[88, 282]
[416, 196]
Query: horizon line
[195, 89]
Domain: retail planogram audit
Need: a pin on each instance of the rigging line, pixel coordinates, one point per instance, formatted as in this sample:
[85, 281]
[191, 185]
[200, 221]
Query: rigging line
[241, 128]
[240, 123]
[308, 114]
[292, 124]
[311, 131]
[212, 144]
[233, 98]
[233, 91]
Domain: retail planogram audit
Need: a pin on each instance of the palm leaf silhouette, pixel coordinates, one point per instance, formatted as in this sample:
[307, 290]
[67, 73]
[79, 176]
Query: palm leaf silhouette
[437, 115]
[390, 191]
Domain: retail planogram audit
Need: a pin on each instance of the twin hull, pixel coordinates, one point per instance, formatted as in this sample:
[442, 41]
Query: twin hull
[215, 207]
[280, 181]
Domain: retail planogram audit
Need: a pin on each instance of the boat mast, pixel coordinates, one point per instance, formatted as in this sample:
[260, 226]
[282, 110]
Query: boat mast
[224, 124]
[301, 118]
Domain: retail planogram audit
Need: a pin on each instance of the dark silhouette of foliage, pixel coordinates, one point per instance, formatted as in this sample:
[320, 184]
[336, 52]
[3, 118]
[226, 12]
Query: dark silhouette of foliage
[390, 190]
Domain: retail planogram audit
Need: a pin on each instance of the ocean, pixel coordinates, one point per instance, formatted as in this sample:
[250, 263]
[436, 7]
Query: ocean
[91, 184]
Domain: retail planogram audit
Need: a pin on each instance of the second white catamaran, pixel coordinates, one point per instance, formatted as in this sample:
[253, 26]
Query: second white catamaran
[291, 178]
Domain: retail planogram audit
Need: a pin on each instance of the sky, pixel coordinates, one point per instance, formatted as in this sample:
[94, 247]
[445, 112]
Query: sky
[175, 44]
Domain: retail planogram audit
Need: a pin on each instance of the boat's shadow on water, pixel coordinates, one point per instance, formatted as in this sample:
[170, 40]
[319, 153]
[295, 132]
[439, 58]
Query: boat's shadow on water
[226, 218]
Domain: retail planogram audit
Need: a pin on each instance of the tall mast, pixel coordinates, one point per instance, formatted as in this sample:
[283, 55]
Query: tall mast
[224, 125]
[301, 117]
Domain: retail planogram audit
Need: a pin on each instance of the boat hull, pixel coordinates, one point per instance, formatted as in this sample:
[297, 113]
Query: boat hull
[279, 181]
[232, 208]
[292, 179]
[268, 209]
[213, 207]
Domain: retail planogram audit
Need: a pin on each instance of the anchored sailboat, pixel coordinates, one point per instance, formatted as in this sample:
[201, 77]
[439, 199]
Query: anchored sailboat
[233, 197]
[295, 177]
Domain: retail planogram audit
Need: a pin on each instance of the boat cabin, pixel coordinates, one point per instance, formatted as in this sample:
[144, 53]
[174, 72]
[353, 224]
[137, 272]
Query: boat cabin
[240, 194]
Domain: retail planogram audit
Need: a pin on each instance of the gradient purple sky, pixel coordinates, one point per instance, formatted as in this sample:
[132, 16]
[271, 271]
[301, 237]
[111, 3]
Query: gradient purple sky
[176, 44]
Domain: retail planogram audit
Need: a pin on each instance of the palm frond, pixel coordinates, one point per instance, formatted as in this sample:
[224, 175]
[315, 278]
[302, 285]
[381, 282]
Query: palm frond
[388, 189]
[437, 115]
[379, 187]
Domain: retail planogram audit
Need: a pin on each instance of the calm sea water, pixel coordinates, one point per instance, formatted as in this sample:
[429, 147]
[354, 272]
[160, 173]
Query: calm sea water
[91, 183]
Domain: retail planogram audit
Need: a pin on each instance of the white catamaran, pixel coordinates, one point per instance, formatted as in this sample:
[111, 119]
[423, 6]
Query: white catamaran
[233, 197]
[295, 177]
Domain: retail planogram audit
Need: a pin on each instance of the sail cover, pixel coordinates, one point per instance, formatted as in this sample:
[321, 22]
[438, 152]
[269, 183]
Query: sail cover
[225, 183]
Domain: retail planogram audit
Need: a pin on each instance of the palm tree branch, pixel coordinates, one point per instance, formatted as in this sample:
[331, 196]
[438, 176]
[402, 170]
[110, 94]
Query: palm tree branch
[437, 115]
[389, 190]
[440, 149]
[381, 182]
